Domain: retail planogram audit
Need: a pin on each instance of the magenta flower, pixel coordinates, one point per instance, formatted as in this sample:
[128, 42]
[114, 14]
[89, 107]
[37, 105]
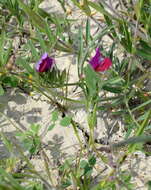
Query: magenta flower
[45, 63]
[100, 63]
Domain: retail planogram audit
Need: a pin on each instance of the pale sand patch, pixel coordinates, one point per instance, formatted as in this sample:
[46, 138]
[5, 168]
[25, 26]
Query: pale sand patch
[24, 110]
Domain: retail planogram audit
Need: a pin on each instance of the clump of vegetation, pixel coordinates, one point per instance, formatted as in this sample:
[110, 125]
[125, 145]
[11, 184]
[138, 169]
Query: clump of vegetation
[113, 76]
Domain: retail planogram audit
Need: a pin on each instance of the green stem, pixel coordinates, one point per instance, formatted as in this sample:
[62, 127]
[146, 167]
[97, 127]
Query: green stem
[130, 113]
[76, 132]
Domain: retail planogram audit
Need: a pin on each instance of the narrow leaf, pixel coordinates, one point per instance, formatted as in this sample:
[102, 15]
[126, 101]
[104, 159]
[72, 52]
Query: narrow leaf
[132, 140]
[34, 17]
[88, 35]
[55, 115]
[1, 90]
[51, 127]
[24, 65]
[65, 121]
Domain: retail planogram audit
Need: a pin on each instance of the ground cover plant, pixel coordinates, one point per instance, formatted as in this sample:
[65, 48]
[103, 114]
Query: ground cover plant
[110, 42]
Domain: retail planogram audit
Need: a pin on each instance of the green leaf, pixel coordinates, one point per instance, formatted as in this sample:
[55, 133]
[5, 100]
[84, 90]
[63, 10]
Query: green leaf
[33, 50]
[80, 52]
[34, 17]
[132, 140]
[66, 184]
[100, 8]
[60, 47]
[34, 148]
[35, 128]
[65, 121]
[7, 142]
[11, 81]
[145, 46]
[109, 22]
[19, 134]
[2, 41]
[83, 163]
[76, 3]
[27, 144]
[141, 106]
[25, 65]
[115, 80]
[84, 7]
[88, 35]
[92, 160]
[112, 89]
[51, 127]
[143, 53]
[42, 42]
[50, 34]
[87, 168]
[7, 53]
[1, 90]
[58, 23]
[63, 77]
[126, 39]
[13, 183]
[91, 80]
[88, 171]
[55, 115]
[144, 123]
[140, 131]
[149, 185]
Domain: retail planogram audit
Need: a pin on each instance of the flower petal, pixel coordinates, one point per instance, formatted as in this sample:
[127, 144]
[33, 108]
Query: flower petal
[45, 63]
[95, 61]
[104, 65]
[44, 56]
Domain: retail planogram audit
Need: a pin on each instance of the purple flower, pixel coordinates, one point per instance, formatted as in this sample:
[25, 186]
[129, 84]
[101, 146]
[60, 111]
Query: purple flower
[45, 63]
[100, 63]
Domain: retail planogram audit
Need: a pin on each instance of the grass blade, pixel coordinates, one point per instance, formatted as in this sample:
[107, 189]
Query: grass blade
[34, 17]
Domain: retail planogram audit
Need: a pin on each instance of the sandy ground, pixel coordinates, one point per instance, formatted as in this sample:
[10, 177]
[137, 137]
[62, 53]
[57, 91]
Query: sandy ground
[24, 110]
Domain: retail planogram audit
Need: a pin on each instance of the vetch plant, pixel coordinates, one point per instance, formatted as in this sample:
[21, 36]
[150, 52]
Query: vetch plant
[31, 139]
